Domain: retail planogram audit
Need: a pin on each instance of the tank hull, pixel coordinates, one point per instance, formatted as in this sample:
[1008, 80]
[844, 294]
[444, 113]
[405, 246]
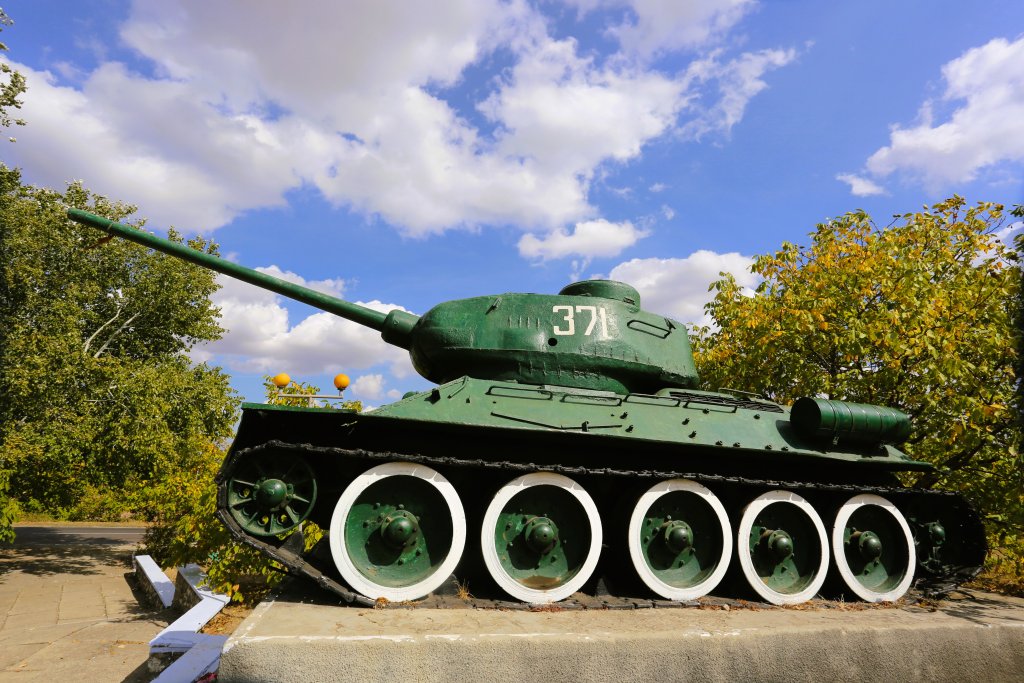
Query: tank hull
[482, 434]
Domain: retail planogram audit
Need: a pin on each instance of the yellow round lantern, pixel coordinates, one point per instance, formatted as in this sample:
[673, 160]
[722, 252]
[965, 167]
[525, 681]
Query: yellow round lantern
[281, 380]
[341, 381]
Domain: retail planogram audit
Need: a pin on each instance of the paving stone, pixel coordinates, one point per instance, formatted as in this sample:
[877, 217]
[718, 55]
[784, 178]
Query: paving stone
[28, 620]
[12, 654]
[69, 616]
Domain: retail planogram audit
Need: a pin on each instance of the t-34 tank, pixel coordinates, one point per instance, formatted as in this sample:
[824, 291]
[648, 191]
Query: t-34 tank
[566, 451]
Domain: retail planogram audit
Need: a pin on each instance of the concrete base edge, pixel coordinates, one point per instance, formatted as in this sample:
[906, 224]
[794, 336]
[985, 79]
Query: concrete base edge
[979, 638]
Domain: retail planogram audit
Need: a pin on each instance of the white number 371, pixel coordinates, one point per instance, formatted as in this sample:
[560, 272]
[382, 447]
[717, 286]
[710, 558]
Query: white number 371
[597, 314]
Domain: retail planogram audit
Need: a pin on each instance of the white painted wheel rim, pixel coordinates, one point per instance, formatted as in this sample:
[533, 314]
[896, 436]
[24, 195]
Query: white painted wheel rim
[490, 553]
[750, 514]
[636, 553]
[359, 581]
[839, 550]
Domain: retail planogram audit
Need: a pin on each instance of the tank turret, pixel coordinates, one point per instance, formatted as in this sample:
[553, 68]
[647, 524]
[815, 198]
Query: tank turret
[591, 335]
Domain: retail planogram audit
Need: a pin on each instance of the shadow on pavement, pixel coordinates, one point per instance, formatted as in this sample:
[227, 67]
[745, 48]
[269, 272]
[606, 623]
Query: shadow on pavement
[976, 607]
[46, 560]
[141, 674]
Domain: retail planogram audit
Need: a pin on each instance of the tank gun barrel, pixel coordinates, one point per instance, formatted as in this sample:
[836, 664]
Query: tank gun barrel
[395, 327]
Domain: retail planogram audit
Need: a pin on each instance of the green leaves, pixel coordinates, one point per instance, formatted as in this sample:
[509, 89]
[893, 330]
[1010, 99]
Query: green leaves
[922, 316]
[12, 85]
[97, 392]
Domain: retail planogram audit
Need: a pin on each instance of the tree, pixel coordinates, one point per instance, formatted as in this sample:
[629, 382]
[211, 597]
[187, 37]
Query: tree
[9, 93]
[12, 84]
[919, 316]
[98, 396]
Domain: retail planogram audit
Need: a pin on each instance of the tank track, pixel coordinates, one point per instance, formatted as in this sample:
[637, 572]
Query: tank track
[289, 552]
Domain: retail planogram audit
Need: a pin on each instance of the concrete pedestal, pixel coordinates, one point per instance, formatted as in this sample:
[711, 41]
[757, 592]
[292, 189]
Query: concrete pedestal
[977, 637]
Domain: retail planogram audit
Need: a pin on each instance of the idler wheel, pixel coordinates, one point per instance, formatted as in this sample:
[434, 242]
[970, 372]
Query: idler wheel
[541, 537]
[270, 494]
[873, 548]
[398, 531]
[782, 548]
[679, 539]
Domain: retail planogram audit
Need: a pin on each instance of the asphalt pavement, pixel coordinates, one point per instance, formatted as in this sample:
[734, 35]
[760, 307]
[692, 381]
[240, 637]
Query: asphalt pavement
[67, 611]
[29, 535]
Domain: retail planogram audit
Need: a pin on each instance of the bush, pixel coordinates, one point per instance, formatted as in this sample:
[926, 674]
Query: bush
[8, 509]
[184, 529]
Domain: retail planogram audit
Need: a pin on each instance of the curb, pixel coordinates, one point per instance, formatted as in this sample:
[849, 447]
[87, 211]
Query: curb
[191, 654]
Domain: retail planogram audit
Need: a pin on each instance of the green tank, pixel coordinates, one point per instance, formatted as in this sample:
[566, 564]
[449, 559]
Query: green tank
[567, 453]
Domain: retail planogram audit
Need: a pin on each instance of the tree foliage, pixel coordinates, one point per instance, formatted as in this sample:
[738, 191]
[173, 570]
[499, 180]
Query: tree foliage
[98, 396]
[921, 316]
[12, 85]
[303, 395]
[185, 530]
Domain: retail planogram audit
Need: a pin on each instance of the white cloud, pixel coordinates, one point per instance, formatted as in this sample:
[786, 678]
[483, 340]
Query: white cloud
[737, 82]
[860, 186]
[368, 387]
[658, 187]
[566, 115]
[149, 142]
[1009, 233]
[261, 338]
[243, 102]
[590, 239]
[986, 128]
[678, 288]
[373, 388]
[661, 25]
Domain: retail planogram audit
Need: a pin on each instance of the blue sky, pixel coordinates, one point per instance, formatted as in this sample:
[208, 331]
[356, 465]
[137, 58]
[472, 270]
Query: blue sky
[403, 154]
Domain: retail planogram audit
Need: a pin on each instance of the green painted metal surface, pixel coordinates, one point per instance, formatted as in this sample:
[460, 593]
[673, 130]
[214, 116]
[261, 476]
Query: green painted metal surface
[542, 536]
[268, 496]
[717, 425]
[681, 539]
[841, 420]
[784, 548]
[514, 360]
[398, 531]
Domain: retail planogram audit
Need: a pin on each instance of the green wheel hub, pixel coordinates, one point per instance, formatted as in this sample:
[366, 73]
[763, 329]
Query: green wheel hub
[870, 545]
[681, 539]
[270, 495]
[542, 536]
[782, 547]
[398, 531]
[678, 536]
[875, 549]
